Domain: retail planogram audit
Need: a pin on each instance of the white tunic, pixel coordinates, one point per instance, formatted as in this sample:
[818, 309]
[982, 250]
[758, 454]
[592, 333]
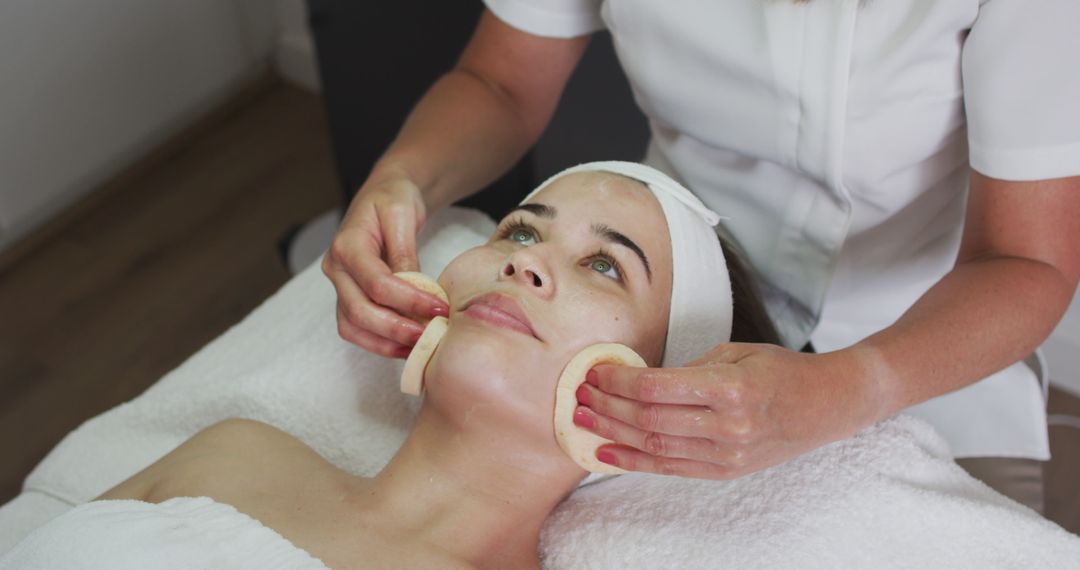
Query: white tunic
[837, 137]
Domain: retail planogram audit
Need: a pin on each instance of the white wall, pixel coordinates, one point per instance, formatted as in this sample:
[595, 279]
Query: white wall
[257, 22]
[87, 86]
[294, 53]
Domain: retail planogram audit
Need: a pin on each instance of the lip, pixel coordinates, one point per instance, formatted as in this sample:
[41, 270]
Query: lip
[501, 311]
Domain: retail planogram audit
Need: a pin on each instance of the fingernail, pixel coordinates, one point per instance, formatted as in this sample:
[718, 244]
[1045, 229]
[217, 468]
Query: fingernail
[440, 311]
[606, 456]
[590, 377]
[583, 419]
[583, 395]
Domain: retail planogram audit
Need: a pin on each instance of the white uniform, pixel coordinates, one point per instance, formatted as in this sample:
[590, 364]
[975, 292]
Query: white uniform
[836, 136]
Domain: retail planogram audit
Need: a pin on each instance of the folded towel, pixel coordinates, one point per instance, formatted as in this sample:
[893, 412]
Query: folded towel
[889, 497]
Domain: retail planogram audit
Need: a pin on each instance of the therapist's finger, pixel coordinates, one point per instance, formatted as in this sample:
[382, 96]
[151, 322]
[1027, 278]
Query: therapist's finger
[671, 419]
[399, 223]
[368, 341]
[651, 442]
[358, 258]
[636, 460]
[657, 385]
[355, 308]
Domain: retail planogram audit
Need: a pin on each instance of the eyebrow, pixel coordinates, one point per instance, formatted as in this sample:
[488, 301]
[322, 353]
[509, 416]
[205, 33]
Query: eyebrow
[542, 210]
[602, 230]
[613, 236]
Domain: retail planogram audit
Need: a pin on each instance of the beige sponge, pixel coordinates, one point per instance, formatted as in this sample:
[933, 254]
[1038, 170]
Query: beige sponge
[578, 443]
[412, 376]
[423, 283]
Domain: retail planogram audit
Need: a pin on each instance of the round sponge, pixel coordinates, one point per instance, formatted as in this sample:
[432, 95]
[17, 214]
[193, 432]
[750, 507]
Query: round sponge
[412, 376]
[425, 284]
[578, 443]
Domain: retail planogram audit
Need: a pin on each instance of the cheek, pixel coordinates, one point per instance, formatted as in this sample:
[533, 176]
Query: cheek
[589, 318]
[466, 271]
[653, 339]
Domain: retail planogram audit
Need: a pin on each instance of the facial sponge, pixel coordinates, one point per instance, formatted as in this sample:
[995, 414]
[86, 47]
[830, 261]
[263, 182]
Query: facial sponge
[578, 443]
[412, 376]
[425, 284]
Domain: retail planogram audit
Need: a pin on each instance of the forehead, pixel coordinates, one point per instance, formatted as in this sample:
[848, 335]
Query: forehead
[598, 195]
[588, 199]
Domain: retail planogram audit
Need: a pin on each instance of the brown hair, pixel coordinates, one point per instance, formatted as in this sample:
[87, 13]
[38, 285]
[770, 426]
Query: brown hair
[750, 322]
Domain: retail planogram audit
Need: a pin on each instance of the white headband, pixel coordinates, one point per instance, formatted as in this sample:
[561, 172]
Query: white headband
[701, 304]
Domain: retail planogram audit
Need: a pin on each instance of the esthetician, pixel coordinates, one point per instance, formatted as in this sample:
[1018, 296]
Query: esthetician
[903, 175]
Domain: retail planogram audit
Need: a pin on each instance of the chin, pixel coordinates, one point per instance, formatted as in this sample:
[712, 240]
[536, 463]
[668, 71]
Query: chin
[482, 373]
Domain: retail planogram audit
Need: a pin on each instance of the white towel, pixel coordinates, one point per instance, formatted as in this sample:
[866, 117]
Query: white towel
[890, 497]
[183, 533]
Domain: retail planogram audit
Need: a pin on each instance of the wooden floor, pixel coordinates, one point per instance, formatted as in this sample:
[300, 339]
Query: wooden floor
[103, 302]
[161, 262]
[1062, 472]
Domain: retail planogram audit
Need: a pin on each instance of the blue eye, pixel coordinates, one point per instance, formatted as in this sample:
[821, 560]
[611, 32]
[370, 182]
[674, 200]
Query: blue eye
[606, 268]
[523, 236]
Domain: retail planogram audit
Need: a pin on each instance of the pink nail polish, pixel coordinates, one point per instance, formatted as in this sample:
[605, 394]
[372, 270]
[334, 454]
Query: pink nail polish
[582, 419]
[606, 456]
[590, 377]
[583, 395]
[440, 311]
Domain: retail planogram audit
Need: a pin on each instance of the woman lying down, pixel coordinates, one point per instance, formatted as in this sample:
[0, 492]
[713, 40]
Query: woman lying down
[588, 259]
[604, 253]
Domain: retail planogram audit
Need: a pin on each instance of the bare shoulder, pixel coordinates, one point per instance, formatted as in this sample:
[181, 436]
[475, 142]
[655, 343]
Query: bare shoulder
[240, 435]
[222, 461]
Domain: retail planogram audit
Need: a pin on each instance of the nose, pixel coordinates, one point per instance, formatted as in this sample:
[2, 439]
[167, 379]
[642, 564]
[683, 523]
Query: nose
[528, 269]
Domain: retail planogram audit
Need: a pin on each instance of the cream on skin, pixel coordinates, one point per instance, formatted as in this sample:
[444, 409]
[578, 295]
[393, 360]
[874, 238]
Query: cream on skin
[481, 470]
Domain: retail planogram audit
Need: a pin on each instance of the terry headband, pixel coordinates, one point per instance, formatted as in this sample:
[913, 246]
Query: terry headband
[701, 303]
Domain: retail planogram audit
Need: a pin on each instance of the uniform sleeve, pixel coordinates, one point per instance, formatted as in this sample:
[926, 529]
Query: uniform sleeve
[550, 18]
[1022, 89]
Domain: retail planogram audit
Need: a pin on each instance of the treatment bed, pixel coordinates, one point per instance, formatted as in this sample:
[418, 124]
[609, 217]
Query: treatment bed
[889, 497]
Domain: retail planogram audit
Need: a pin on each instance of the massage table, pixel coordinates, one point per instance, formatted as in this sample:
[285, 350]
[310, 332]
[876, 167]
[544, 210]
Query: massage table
[891, 496]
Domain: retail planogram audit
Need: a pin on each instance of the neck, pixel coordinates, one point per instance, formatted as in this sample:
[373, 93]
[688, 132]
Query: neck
[478, 493]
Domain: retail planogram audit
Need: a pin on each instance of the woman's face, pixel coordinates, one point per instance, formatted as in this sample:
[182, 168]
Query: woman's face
[585, 261]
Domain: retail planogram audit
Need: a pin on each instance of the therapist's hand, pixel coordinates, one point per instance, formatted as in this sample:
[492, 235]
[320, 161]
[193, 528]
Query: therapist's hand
[377, 238]
[739, 409]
